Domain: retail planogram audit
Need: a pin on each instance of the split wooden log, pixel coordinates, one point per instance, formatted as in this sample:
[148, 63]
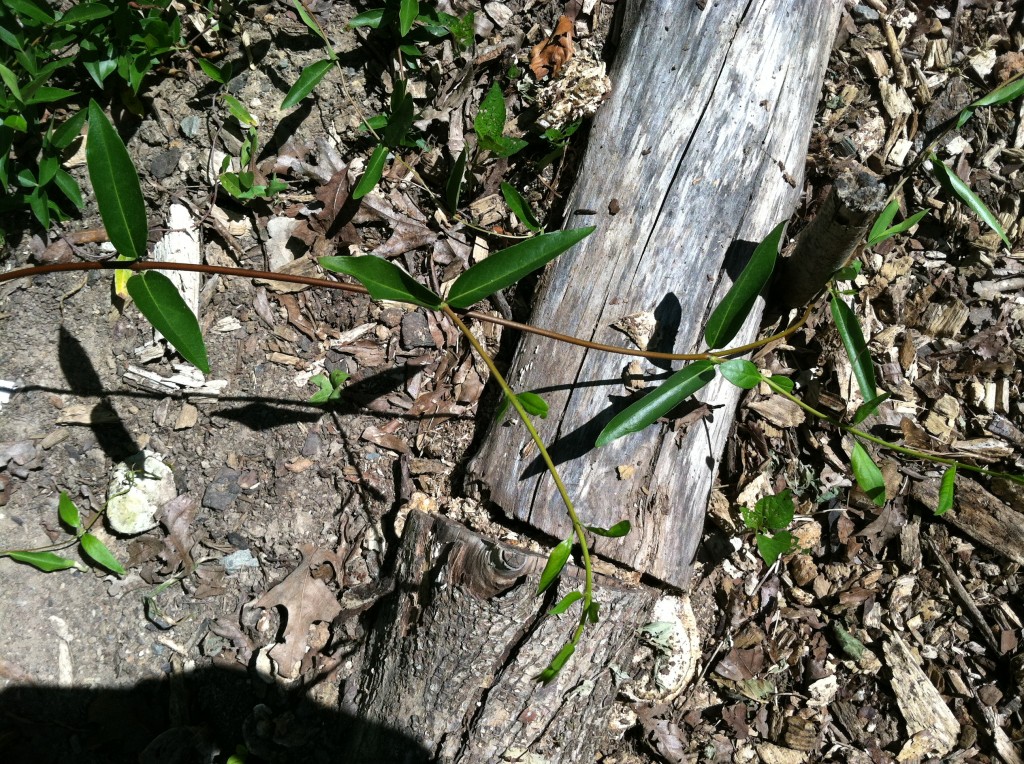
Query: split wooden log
[452, 659]
[697, 156]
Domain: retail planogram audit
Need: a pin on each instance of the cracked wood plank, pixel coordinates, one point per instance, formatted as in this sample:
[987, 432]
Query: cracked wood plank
[702, 146]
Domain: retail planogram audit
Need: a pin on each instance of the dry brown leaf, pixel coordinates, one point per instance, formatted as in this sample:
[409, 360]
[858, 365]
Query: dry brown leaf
[176, 516]
[548, 57]
[308, 600]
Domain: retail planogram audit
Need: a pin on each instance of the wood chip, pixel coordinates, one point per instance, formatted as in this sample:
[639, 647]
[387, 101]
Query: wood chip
[780, 411]
[931, 725]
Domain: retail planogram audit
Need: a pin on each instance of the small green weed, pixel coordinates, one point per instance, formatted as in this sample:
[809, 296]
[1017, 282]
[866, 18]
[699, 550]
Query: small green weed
[769, 519]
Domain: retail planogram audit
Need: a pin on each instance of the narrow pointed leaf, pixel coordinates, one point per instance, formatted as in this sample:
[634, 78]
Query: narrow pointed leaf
[741, 373]
[164, 307]
[1008, 92]
[952, 182]
[618, 530]
[68, 511]
[308, 80]
[453, 189]
[556, 561]
[565, 603]
[856, 348]
[784, 382]
[372, 173]
[520, 207]
[98, 553]
[882, 228]
[370, 18]
[946, 490]
[44, 561]
[504, 268]
[310, 22]
[401, 117]
[534, 404]
[867, 474]
[384, 280]
[867, 409]
[407, 13]
[727, 319]
[116, 185]
[557, 663]
[652, 406]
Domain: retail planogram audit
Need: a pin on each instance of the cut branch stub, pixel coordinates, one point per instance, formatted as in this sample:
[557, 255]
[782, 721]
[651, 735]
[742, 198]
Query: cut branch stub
[830, 240]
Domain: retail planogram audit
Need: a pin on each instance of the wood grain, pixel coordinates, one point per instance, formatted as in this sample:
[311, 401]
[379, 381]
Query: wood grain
[703, 144]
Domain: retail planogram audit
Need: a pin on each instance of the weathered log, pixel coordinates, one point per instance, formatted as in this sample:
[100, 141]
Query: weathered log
[831, 239]
[701, 150]
[451, 660]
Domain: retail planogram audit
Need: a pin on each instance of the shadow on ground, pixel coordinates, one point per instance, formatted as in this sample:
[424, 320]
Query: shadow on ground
[187, 719]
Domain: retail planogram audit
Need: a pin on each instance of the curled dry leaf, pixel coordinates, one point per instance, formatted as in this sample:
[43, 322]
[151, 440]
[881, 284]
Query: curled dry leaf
[548, 57]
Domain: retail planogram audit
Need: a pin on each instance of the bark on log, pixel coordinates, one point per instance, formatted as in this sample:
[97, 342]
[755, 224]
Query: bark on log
[830, 240]
[451, 660]
[702, 145]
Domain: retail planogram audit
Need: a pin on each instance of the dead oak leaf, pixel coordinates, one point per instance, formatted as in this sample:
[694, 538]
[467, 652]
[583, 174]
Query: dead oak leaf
[307, 600]
[548, 57]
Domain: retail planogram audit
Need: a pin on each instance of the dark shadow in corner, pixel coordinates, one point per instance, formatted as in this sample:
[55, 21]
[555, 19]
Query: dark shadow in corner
[214, 709]
[111, 434]
[667, 318]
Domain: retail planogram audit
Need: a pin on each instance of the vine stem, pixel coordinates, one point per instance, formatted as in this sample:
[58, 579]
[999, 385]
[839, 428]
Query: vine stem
[577, 526]
[856, 432]
[251, 273]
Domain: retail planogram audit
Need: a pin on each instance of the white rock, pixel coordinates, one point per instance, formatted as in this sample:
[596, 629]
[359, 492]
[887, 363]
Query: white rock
[137, 490]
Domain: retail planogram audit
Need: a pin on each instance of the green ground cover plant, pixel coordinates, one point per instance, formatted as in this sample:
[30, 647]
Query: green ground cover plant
[122, 207]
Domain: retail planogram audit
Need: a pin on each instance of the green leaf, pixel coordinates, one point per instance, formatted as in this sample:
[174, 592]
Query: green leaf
[534, 404]
[502, 145]
[592, 612]
[68, 511]
[727, 319]
[164, 307]
[370, 18]
[310, 22]
[308, 80]
[848, 272]
[565, 603]
[330, 387]
[655, 405]
[375, 123]
[618, 530]
[520, 208]
[37, 11]
[951, 181]
[506, 267]
[776, 512]
[98, 553]
[490, 117]
[741, 373]
[556, 561]
[70, 188]
[867, 474]
[373, 172]
[384, 280]
[867, 409]
[881, 230]
[116, 185]
[1008, 92]
[85, 12]
[784, 382]
[856, 348]
[946, 490]
[44, 561]
[401, 116]
[239, 112]
[453, 188]
[771, 548]
[66, 134]
[463, 30]
[556, 664]
[212, 71]
[408, 10]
